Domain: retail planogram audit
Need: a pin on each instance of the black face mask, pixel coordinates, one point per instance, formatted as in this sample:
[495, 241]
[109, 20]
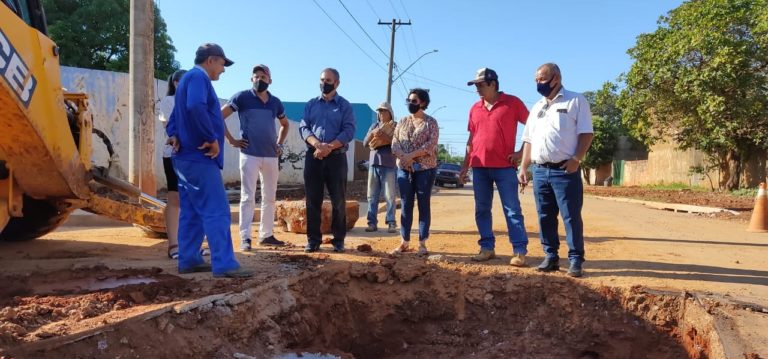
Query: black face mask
[327, 88]
[545, 89]
[260, 86]
[413, 108]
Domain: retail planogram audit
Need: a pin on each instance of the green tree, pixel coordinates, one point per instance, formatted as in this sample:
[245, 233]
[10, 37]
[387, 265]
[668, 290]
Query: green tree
[606, 124]
[701, 79]
[94, 34]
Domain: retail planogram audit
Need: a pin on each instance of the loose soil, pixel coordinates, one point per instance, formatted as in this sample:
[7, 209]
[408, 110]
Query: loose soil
[110, 292]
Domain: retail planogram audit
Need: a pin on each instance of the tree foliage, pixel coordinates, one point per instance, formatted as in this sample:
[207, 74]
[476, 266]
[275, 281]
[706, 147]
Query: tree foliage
[701, 80]
[95, 34]
[606, 124]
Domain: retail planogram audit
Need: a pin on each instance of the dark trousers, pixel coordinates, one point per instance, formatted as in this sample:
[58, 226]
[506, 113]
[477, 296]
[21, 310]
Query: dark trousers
[330, 173]
[415, 186]
[556, 191]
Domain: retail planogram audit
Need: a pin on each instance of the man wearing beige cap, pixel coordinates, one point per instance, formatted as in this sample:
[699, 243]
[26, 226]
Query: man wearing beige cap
[382, 169]
[260, 146]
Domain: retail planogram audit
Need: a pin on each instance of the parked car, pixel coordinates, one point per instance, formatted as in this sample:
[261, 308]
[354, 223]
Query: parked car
[448, 173]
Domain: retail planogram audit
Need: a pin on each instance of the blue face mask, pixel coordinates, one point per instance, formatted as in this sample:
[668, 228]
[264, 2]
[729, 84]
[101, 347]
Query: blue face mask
[544, 88]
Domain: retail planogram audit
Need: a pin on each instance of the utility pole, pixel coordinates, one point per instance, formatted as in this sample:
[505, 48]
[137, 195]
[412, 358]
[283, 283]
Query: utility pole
[394, 25]
[141, 86]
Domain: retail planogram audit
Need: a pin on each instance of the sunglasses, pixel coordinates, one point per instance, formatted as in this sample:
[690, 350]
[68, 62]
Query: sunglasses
[543, 111]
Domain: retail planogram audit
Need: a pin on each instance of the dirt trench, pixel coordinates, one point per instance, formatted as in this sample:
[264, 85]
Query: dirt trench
[401, 308]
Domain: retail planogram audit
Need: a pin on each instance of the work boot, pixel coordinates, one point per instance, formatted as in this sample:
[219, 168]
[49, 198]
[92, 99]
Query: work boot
[518, 260]
[202, 267]
[235, 273]
[549, 264]
[484, 255]
[371, 228]
[392, 228]
[311, 248]
[271, 241]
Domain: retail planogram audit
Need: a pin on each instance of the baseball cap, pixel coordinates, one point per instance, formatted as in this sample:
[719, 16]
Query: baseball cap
[211, 49]
[483, 75]
[262, 67]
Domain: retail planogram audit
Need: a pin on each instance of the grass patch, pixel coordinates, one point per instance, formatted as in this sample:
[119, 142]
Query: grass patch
[744, 192]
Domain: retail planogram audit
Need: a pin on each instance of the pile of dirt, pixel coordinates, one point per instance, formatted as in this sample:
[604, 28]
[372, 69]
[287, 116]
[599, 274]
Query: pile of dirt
[741, 205]
[407, 308]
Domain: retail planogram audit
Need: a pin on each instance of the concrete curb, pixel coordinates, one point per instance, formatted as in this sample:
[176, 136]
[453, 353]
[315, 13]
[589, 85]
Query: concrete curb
[675, 207]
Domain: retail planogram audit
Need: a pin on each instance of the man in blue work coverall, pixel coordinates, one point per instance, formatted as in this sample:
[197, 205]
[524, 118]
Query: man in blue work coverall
[196, 131]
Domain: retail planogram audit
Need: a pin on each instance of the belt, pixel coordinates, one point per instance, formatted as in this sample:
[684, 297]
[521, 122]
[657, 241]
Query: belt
[552, 164]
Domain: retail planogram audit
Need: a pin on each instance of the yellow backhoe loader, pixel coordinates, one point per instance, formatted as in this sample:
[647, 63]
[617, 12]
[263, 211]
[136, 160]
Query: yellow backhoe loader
[46, 135]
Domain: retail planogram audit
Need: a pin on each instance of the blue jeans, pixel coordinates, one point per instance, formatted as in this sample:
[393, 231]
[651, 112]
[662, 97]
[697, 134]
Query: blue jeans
[378, 177]
[555, 190]
[415, 185]
[204, 212]
[505, 179]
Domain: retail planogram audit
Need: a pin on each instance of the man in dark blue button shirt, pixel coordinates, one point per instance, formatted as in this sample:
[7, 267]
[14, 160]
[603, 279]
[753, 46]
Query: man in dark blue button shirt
[327, 127]
[195, 130]
[259, 149]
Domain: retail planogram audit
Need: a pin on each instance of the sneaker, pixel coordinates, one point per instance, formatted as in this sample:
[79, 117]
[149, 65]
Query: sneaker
[422, 249]
[338, 248]
[484, 255]
[371, 228]
[518, 260]
[245, 244]
[549, 264]
[392, 228]
[235, 273]
[311, 248]
[271, 241]
[575, 270]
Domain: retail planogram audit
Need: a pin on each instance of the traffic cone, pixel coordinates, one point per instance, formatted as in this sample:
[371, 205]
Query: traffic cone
[759, 221]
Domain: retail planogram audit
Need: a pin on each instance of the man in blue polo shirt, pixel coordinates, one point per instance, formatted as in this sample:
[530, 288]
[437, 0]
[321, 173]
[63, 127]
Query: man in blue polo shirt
[195, 131]
[327, 127]
[260, 148]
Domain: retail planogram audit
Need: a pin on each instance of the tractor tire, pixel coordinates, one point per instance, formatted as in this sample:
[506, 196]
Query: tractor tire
[40, 218]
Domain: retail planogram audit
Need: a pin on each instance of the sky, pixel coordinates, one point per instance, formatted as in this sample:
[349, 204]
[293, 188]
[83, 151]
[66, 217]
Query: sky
[588, 39]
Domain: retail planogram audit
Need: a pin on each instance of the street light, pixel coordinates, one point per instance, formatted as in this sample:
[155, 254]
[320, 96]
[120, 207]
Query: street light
[391, 80]
[437, 109]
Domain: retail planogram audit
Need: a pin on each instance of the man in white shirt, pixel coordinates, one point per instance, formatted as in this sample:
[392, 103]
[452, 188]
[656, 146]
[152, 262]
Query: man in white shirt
[556, 138]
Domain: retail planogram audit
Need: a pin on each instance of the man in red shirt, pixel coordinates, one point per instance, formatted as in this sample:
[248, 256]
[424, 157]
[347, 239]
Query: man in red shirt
[491, 154]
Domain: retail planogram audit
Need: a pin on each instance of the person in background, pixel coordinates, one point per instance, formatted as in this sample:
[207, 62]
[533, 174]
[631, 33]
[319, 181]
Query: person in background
[491, 154]
[327, 128]
[556, 138]
[382, 169]
[260, 146]
[195, 130]
[164, 110]
[414, 144]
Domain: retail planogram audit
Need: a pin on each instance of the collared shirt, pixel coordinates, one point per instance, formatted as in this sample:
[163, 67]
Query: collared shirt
[494, 131]
[196, 118]
[328, 120]
[382, 155]
[257, 122]
[412, 134]
[553, 129]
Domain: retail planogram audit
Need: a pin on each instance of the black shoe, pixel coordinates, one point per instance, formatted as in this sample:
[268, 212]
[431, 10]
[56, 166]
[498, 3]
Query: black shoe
[235, 273]
[338, 248]
[271, 241]
[311, 248]
[549, 265]
[575, 270]
[245, 244]
[203, 267]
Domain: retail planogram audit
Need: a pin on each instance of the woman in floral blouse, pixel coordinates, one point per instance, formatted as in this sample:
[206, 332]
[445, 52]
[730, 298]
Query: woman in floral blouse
[414, 144]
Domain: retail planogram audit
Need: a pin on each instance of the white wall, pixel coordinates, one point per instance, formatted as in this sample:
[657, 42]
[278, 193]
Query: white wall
[108, 98]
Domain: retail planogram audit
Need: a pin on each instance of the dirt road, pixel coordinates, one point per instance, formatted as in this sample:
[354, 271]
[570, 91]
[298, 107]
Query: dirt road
[627, 245]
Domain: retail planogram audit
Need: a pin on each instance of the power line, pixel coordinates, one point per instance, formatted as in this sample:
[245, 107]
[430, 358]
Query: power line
[349, 37]
[361, 28]
[440, 83]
